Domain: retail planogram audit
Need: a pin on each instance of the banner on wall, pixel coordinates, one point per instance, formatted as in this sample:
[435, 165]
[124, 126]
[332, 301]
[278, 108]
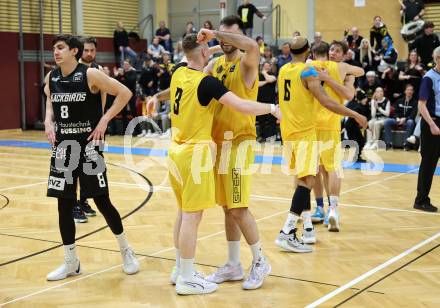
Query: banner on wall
[359, 3]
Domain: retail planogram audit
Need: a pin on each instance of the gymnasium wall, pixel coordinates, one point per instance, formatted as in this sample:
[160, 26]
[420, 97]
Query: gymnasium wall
[293, 17]
[332, 17]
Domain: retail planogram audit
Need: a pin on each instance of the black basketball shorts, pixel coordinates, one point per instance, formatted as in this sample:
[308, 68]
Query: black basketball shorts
[72, 161]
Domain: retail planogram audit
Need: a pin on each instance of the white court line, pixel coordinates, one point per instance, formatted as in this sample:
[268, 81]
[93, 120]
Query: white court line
[23, 186]
[372, 272]
[171, 248]
[119, 265]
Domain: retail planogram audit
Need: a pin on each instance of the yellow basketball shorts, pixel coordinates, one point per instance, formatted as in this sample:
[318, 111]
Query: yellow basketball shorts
[233, 171]
[330, 152]
[301, 154]
[191, 175]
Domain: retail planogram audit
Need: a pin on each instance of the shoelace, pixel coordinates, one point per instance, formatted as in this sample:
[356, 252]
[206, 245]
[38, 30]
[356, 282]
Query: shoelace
[254, 275]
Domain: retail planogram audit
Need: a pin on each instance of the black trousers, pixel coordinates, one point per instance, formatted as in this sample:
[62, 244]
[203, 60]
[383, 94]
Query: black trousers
[430, 151]
[354, 133]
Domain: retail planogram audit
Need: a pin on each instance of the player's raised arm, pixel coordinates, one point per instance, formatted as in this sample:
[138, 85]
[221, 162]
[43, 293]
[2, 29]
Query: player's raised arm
[98, 81]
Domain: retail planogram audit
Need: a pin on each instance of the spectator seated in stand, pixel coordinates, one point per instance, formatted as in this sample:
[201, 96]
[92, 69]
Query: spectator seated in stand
[380, 111]
[155, 50]
[405, 111]
[164, 36]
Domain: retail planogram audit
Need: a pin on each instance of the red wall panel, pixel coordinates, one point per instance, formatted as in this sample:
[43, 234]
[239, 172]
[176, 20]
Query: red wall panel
[9, 84]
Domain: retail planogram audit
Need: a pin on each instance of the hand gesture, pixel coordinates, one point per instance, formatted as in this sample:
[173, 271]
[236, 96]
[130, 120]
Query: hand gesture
[99, 131]
[434, 129]
[323, 75]
[277, 113]
[205, 35]
[362, 121]
[49, 130]
[151, 104]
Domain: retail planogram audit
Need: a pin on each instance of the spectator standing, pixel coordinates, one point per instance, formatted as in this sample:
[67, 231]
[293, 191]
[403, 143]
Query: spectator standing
[412, 10]
[413, 72]
[208, 25]
[189, 29]
[148, 79]
[284, 57]
[405, 111]
[354, 40]
[266, 94]
[155, 50]
[164, 36]
[164, 72]
[429, 107]
[380, 111]
[426, 43]
[365, 55]
[246, 12]
[120, 43]
[378, 32]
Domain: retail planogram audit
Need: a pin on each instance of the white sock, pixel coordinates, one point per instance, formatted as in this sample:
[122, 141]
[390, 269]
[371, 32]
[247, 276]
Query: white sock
[290, 223]
[334, 200]
[257, 252]
[177, 257]
[70, 252]
[234, 253]
[307, 218]
[187, 268]
[122, 241]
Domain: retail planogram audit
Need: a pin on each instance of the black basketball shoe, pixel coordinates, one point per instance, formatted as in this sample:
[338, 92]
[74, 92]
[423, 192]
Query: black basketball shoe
[86, 208]
[78, 214]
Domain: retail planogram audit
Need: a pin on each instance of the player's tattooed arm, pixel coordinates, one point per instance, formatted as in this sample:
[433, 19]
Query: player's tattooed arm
[49, 125]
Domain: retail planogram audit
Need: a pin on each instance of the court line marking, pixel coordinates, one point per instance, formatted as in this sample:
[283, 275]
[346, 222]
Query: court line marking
[173, 260]
[387, 275]
[172, 248]
[22, 186]
[372, 272]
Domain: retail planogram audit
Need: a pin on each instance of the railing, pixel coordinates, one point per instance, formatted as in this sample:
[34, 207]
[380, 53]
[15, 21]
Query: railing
[147, 19]
[277, 10]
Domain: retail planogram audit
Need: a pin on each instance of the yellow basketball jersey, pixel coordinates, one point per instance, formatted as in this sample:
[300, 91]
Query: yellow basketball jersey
[226, 118]
[328, 120]
[297, 104]
[190, 121]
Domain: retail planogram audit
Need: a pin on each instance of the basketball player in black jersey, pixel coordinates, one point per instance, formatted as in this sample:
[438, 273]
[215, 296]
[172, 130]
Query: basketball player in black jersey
[75, 126]
[83, 209]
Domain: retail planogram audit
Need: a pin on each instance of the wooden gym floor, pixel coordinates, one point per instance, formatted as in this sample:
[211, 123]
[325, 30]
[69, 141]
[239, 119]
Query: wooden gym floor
[386, 255]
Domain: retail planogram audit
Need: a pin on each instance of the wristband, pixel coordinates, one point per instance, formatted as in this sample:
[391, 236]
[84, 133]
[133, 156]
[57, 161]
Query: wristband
[272, 108]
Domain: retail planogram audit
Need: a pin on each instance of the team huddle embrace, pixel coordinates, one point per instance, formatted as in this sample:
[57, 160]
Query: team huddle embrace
[213, 108]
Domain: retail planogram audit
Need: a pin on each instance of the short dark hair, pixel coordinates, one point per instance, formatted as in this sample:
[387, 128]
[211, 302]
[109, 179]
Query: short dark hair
[189, 42]
[231, 20]
[341, 44]
[428, 24]
[91, 40]
[71, 41]
[321, 49]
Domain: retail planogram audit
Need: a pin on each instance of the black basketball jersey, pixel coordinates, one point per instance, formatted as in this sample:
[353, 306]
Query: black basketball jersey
[76, 109]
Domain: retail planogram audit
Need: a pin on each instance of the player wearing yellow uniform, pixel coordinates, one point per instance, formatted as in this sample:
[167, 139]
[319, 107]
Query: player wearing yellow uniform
[235, 135]
[194, 98]
[338, 83]
[298, 87]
